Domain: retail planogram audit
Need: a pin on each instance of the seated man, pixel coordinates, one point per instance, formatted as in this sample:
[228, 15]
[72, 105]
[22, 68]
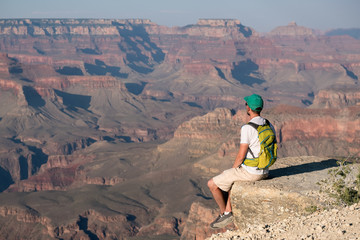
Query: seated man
[249, 149]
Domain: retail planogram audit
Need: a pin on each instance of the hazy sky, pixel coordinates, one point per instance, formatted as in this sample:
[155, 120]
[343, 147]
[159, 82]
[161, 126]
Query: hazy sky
[262, 15]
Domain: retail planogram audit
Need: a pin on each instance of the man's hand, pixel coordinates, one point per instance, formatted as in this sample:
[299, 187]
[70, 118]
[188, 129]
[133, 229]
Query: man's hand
[241, 155]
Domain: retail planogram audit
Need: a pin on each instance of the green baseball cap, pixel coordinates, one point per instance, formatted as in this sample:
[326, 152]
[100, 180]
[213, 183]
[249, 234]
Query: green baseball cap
[255, 102]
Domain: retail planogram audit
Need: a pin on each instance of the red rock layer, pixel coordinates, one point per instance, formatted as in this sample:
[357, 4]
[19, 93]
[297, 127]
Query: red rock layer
[311, 128]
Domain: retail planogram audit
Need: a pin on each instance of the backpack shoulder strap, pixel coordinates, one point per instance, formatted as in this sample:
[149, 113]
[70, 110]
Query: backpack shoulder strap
[254, 125]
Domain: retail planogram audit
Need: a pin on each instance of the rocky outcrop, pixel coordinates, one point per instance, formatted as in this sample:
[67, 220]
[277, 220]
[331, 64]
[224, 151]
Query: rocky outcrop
[204, 135]
[219, 22]
[214, 28]
[90, 224]
[62, 161]
[27, 218]
[162, 226]
[93, 224]
[337, 98]
[198, 222]
[280, 196]
[19, 161]
[68, 148]
[52, 179]
[108, 181]
[292, 29]
[291, 204]
[219, 28]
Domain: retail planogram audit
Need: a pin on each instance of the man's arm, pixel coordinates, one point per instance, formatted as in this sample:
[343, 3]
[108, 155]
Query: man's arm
[241, 155]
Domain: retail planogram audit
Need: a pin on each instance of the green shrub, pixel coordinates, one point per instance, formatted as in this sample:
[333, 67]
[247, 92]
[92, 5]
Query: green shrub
[338, 185]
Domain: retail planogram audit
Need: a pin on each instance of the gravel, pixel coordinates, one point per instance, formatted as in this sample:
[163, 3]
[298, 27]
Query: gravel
[336, 223]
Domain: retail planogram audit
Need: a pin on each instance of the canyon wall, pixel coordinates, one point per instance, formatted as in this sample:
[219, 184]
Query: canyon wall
[109, 114]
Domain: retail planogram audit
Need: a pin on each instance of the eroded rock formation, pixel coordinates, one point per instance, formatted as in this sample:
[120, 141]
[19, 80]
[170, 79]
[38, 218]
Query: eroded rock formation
[86, 106]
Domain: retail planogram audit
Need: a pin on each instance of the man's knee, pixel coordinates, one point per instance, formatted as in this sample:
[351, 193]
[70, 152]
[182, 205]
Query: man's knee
[211, 185]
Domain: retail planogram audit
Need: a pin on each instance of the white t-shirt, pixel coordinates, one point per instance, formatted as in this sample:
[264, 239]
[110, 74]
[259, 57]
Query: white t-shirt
[249, 135]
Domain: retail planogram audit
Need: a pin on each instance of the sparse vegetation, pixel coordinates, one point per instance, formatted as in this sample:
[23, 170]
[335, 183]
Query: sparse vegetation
[341, 185]
[311, 209]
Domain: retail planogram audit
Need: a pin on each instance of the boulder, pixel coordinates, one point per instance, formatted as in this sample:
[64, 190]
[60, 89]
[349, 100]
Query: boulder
[290, 190]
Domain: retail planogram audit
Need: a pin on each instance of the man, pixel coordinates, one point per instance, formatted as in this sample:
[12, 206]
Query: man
[249, 148]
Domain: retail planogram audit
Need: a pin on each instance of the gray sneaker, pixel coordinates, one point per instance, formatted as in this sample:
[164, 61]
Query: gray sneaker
[221, 221]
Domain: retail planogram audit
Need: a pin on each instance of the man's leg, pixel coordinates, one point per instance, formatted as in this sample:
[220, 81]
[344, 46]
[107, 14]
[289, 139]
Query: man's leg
[218, 195]
[228, 203]
[223, 201]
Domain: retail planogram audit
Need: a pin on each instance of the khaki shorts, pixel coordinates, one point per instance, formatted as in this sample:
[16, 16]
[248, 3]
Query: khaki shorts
[226, 179]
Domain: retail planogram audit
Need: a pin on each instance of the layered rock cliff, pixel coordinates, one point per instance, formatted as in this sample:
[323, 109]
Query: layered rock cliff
[86, 106]
[221, 53]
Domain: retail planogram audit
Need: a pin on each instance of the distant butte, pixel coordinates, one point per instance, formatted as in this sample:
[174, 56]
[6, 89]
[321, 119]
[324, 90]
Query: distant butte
[292, 29]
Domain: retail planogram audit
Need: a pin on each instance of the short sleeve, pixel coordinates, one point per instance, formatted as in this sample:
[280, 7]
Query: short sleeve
[245, 134]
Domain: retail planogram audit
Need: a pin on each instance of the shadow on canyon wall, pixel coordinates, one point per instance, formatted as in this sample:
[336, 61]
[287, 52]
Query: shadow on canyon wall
[32, 97]
[74, 100]
[242, 72]
[83, 225]
[135, 88]
[101, 69]
[132, 44]
[5, 179]
[70, 71]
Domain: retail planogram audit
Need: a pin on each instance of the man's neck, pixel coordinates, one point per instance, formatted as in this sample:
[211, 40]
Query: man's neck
[253, 115]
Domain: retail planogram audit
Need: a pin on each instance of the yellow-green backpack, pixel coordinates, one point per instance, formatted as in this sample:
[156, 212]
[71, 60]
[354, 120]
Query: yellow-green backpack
[268, 147]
